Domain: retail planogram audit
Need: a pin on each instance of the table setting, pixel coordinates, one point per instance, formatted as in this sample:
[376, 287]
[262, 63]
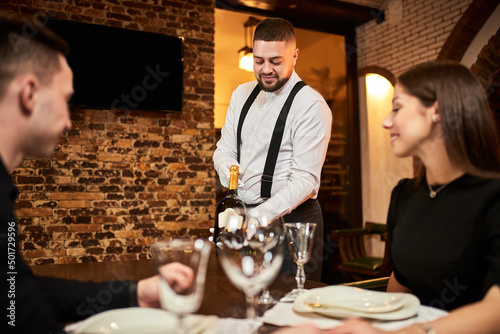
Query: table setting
[248, 257]
[342, 302]
[156, 321]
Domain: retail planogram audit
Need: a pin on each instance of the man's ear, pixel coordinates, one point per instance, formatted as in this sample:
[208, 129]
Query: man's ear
[28, 94]
[295, 56]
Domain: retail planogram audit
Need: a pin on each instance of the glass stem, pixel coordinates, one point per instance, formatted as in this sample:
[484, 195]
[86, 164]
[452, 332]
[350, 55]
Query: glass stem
[180, 324]
[252, 313]
[300, 277]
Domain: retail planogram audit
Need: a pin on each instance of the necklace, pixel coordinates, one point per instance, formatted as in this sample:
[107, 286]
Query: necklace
[432, 192]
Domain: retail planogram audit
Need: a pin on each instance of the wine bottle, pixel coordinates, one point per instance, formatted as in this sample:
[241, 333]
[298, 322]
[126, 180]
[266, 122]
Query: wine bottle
[228, 203]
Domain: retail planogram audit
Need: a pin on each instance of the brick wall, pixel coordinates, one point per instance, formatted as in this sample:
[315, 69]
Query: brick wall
[487, 65]
[416, 31]
[411, 34]
[122, 179]
[487, 68]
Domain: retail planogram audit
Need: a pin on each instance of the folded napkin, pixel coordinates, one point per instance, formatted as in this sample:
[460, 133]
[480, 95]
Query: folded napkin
[282, 314]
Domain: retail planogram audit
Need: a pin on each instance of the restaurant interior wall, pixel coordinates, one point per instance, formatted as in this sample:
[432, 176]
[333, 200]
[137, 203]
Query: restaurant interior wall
[380, 169]
[408, 37]
[119, 180]
[413, 32]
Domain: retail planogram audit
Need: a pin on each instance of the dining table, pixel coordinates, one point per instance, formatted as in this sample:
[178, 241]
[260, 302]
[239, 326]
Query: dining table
[221, 298]
[227, 304]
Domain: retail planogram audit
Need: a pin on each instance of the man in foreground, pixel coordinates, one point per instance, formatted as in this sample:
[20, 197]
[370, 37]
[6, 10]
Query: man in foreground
[36, 84]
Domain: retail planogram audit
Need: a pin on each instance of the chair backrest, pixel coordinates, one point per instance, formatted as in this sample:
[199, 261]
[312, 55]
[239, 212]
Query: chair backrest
[379, 228]
[352, 244]
[376, 228]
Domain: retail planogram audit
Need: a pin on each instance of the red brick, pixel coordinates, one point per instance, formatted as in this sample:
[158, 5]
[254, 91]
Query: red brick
[113, 156]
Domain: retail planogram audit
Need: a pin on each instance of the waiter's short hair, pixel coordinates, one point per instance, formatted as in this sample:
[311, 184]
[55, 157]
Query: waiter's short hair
[274, 29]
[27, 46]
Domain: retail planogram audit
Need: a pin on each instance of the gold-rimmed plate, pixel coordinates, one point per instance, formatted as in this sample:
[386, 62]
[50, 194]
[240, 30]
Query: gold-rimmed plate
[347, 302]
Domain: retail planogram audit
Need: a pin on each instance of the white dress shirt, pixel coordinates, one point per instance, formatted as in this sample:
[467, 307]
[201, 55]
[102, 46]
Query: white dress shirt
[302, 152]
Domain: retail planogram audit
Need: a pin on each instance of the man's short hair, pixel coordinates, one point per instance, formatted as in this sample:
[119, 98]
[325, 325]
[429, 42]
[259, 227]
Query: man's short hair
[27, 46]
[274, 29]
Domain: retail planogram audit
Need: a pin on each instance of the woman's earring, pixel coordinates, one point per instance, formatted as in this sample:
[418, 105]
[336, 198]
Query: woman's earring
[434, 118]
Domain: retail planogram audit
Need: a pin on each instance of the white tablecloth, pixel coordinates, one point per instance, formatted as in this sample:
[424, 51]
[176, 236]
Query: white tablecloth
[282, 314]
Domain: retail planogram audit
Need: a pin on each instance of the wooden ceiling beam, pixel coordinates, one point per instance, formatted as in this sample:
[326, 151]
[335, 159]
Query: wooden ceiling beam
[328, 16]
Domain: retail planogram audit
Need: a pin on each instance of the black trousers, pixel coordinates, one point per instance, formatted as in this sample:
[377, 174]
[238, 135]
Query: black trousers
[310, 212]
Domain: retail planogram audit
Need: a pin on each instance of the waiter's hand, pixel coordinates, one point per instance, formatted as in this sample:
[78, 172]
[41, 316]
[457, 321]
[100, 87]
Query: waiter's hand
[241, 184]
[224, 174]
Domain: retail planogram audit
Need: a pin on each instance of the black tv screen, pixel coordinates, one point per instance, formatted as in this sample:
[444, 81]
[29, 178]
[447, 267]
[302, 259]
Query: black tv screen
[123, 69]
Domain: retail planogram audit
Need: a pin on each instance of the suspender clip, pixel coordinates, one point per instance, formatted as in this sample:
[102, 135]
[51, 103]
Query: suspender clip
[267, 178]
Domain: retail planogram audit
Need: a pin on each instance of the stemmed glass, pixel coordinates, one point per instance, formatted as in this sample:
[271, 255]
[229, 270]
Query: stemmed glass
[266, 298]
[300, 241]
[183, 297]
[252, 254]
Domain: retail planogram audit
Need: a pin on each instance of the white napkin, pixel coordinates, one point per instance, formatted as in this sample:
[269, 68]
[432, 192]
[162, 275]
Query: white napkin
[282, 314]
[287, 299]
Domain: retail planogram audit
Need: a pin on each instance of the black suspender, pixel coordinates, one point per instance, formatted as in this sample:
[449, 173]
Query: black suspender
[244, 112]
[274, 146]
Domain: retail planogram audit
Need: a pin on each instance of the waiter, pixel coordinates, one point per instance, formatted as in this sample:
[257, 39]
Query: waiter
[277, 130]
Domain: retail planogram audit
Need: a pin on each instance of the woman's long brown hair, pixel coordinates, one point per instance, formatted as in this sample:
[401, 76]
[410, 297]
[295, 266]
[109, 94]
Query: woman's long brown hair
[468, 125]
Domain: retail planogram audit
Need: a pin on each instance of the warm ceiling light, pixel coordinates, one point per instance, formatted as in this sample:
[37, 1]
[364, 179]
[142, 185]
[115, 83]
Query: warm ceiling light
[246, 59]
[245, 54]
[377, 85]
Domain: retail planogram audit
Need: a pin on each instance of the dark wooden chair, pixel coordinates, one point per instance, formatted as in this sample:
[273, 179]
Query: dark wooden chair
[353, 257]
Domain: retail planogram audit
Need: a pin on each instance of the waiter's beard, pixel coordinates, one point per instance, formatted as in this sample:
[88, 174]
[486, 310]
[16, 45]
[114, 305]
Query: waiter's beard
[273, 87]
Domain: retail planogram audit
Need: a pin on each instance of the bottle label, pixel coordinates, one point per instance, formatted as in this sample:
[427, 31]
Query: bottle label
[230, 220]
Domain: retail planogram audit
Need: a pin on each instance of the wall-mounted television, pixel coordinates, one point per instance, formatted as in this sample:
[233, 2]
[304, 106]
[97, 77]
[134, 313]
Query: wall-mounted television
[121, 68]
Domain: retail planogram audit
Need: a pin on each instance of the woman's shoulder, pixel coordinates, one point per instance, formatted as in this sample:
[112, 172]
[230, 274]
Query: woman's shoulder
[484, 185]
[407, 184]
[465, 182]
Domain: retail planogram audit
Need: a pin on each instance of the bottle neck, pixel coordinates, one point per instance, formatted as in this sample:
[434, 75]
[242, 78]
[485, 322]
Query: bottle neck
[233, 192]
[233, 182]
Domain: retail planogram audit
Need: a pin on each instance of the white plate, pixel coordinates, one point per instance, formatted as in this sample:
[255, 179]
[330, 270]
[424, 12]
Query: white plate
[408, 308]
[356, 299]
[142, 320]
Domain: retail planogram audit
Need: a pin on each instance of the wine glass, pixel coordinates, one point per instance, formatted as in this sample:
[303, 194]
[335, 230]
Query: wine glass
[300, 241]
[252, 255]
[185, 296]
[266, 299]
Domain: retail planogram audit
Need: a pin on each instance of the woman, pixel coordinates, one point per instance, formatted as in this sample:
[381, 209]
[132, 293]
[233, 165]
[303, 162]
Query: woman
[444, 226]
